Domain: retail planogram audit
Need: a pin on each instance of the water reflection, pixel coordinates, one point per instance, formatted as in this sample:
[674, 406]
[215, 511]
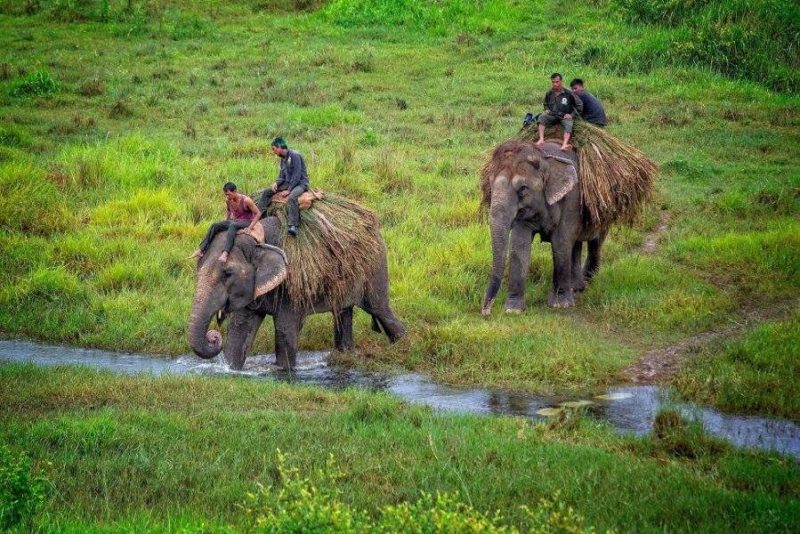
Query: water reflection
[628, 409]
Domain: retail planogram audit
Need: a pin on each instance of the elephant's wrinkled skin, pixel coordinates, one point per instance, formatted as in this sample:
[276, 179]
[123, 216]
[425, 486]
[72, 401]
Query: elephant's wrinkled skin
[251, 270]
[535, 190]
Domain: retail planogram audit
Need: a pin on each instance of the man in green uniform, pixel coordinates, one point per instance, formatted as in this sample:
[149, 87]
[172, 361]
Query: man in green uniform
[560, 106]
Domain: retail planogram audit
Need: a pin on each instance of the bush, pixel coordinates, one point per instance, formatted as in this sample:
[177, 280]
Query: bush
[39, 83]
[21, 492]
[302, 505]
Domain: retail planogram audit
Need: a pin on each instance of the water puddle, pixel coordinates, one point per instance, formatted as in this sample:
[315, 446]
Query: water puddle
[628, 409]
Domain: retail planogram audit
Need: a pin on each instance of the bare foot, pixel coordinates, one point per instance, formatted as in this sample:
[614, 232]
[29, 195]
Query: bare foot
[223, 257]
[540, 142]
[566, 148]
[196, 254]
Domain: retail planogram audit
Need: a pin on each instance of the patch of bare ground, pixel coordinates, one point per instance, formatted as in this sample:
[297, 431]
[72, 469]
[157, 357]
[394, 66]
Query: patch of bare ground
[653, 239]
[659, 365]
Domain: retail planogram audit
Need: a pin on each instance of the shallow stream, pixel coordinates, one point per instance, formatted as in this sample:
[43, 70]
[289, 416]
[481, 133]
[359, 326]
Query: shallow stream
[627, 408]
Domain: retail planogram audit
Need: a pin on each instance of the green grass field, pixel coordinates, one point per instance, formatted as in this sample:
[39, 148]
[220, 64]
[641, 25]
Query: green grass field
[122, 453]
[120, 121]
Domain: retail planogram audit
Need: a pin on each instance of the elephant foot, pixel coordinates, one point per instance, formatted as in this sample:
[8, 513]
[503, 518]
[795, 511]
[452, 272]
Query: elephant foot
[579, 287]
[515, 306]
[486, 311]
[561, 299]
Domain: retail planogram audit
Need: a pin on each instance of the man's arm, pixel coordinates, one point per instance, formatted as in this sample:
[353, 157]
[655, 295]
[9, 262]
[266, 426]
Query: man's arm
[281, 177]
[546, 106]
[296, 170]
[578, 103]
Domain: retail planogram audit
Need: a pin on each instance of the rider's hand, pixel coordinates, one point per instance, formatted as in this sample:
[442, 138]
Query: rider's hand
[274, 187]
[568, 116]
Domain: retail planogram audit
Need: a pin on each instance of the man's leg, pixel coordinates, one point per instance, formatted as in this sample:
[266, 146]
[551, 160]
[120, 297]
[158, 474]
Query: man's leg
[213, 230]
[230, 237]
[266, 198]
[545, 119]
[567, 124]
[294, 208]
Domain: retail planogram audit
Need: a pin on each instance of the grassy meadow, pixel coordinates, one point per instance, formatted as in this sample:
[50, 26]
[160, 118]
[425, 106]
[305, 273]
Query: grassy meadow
[120, 121]
[119, 128]
[182, 454]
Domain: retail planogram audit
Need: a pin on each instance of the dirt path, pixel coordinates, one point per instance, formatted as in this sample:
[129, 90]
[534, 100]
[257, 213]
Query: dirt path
[659, 365]
[653, 239]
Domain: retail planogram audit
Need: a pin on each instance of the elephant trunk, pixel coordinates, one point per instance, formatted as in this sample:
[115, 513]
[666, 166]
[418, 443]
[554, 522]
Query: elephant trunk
[502, 211]
[205, 344]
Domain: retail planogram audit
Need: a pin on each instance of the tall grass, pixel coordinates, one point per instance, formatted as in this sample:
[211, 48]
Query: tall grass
[753, 40]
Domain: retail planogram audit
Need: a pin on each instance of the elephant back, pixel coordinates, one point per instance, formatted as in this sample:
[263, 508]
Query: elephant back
[336, 251]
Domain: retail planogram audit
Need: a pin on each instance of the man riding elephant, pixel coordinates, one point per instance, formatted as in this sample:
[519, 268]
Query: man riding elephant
[293, 177]
[560, 106]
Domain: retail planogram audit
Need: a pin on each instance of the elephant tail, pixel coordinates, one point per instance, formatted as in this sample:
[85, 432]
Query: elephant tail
[376, 325]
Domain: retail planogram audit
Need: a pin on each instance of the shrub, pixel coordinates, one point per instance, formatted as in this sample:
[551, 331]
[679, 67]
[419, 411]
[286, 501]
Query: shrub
[21, 492]
[38, 83]
[300, 504]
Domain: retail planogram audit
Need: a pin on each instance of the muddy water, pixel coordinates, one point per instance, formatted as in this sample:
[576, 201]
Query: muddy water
[628, 409]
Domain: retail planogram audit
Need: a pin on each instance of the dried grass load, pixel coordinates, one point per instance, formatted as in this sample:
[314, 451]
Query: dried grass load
[336, 249]
[616, 178]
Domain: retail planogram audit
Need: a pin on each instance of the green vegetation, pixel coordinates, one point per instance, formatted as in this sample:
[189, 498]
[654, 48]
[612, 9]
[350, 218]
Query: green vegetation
[757, 373]
[726, 36]
[200, 453]
[21, 492]
[115, 174]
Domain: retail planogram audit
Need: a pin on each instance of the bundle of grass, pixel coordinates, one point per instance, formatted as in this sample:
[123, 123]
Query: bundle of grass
[336, 249]
[616, 178]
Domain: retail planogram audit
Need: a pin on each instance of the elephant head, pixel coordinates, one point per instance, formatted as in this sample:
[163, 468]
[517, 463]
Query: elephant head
[521, 182]
[251, 271]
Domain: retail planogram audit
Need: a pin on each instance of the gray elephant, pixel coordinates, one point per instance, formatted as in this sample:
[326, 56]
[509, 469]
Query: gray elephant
[533, 190]
[248, 288]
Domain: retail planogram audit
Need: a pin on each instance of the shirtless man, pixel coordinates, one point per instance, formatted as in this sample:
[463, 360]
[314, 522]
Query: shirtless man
[241, 212]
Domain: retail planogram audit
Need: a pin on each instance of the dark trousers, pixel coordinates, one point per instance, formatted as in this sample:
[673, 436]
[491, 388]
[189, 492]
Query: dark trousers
[223, 226]
[294, 206]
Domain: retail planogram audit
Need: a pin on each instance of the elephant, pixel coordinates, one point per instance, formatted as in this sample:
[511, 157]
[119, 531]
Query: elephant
[532, 190]
[247, 288]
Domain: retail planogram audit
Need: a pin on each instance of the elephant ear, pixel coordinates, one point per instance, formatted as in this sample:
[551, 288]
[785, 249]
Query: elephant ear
[561, 178]
[271, 269]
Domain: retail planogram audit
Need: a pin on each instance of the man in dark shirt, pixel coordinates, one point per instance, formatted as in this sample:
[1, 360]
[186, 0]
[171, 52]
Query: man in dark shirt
[560, 106]
[293, 177]
[592, 108]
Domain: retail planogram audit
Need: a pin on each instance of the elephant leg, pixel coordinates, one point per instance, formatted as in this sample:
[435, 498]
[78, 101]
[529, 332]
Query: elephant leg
[242, 331]
[562, 295]
[343, 330]
[520, 259]
[376, 303]
[578, 284]
[593, 258]
[287, 331]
